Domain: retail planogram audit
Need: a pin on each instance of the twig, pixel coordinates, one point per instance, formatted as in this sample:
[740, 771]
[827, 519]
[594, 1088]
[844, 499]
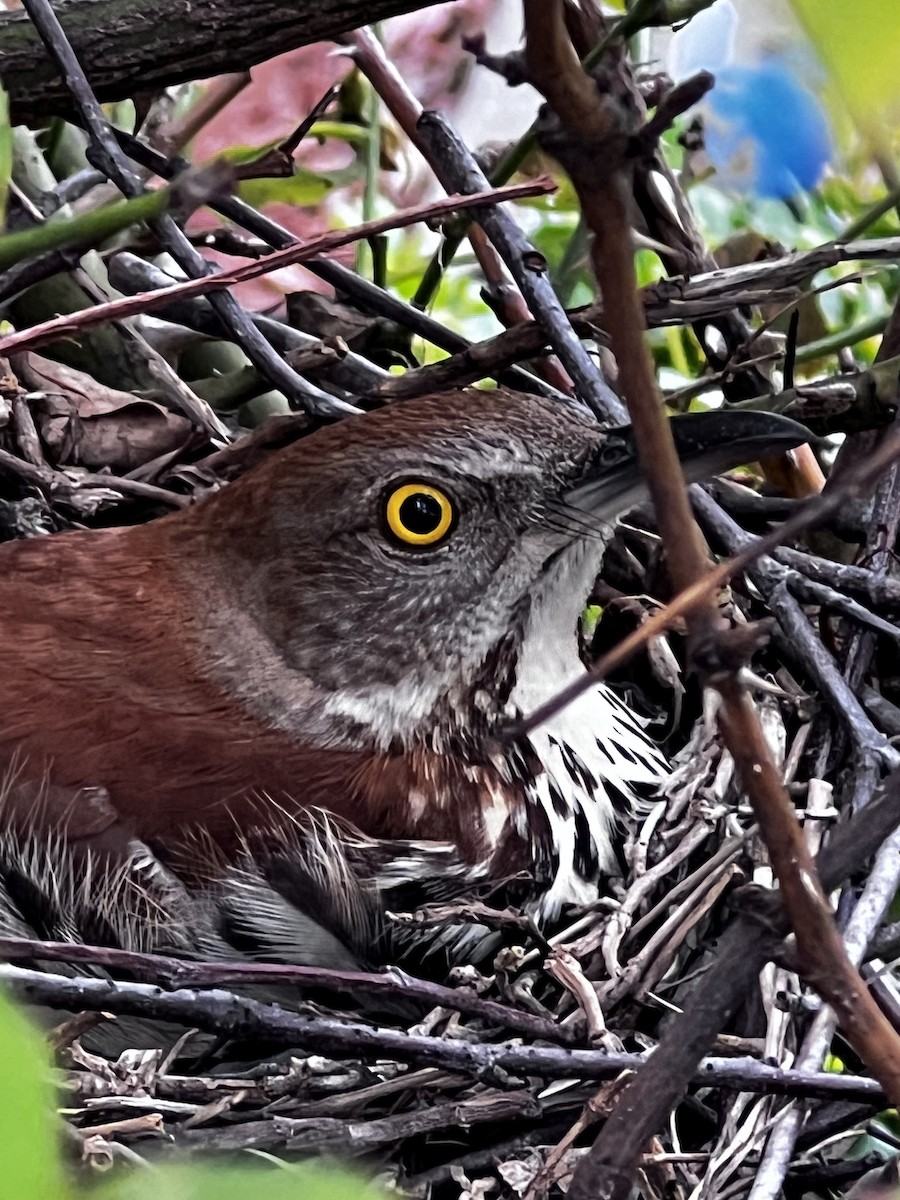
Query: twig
[351, 371]
[877, 895]
[87, 491]
[361, 291]
[883, 880]
[814, 511]
[528, 268]
[104, 153]
[746, 946]
[772, 579]
[176, 134]
[330, 1135]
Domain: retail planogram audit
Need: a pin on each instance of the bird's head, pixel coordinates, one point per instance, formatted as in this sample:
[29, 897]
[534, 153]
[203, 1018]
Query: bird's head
[390, 562]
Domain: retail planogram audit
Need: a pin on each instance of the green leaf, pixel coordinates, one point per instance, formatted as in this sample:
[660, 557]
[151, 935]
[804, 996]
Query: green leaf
[857, 44]
[29, 1162]
[590, 618]
[6, 154]
[303, 188]
[286, 1181]
[30, 1166]
[343, 131]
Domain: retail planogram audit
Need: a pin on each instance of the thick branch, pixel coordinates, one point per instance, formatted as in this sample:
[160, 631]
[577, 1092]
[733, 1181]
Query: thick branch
[129, 48]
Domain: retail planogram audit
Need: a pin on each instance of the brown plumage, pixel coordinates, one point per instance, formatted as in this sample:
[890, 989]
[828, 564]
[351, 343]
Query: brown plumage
[279, 650]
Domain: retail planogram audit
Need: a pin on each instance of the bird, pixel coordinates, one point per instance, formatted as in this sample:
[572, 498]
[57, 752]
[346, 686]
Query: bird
[255, 724]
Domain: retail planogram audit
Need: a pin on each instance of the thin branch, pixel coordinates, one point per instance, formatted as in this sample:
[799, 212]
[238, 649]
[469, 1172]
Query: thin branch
[104, 153]
[232, 1016]
[160, 969]
[362, 292]
[773, 581]
[330, 1135]
[64, 326]
[457, 169]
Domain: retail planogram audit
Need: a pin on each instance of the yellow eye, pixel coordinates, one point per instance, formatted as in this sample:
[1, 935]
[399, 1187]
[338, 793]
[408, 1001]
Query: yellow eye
[418, 514]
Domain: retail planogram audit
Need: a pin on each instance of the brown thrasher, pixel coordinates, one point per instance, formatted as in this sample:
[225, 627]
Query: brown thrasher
[291, 699]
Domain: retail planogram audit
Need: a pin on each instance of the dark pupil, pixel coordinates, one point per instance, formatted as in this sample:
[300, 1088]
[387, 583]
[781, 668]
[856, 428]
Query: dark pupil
[420, 513]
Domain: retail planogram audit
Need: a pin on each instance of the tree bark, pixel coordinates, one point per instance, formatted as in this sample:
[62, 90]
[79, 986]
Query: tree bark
[132, 47]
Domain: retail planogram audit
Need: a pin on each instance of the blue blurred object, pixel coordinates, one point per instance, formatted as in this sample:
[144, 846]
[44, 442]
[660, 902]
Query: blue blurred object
[764, 132]
[706, 42]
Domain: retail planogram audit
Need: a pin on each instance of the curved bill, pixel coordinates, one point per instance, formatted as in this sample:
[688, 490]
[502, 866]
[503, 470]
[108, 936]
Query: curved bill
[707, 444]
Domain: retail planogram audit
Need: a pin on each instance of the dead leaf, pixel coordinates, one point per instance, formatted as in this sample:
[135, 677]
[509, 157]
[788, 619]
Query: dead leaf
[83, 422]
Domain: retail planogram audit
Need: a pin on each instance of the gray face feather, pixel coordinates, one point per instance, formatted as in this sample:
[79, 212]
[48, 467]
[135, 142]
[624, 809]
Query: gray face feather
[377, 638]
[350, 633]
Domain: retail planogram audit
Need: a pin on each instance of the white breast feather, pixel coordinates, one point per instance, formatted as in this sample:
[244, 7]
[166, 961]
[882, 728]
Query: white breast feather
[548, 662]
[598, 729]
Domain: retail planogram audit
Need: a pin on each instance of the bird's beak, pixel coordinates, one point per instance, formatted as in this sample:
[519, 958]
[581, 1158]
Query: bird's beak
[707, 444]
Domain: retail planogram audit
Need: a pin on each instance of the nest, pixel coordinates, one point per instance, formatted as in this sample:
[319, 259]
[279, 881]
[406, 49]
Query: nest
[495, 1078]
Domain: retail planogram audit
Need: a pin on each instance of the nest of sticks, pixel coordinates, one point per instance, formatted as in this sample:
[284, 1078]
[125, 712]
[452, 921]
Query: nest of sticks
[668, 1033]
